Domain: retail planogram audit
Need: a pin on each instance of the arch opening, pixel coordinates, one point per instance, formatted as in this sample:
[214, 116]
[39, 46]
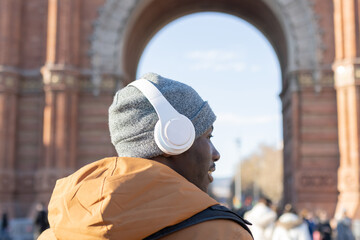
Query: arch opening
[234, 67]
[293, 30]
[148, 19]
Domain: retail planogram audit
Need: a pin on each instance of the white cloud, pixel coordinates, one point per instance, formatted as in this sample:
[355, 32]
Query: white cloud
[219, 67]
[216, 60]
[215, 55]
[234, 119]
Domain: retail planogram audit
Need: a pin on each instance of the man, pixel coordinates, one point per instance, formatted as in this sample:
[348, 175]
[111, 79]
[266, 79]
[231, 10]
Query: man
[162, 131]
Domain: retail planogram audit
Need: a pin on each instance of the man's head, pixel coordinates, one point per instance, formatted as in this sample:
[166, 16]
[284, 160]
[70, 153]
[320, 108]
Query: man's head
[132, 120]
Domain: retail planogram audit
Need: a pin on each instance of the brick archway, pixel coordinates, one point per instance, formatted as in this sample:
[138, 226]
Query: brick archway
[292, 28]
[60, 67]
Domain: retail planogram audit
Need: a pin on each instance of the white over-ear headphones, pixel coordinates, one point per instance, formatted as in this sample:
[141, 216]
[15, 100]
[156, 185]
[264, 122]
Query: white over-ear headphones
[174, 133]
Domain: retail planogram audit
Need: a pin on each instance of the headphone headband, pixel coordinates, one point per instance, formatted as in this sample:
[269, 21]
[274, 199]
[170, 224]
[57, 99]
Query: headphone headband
[163, 108]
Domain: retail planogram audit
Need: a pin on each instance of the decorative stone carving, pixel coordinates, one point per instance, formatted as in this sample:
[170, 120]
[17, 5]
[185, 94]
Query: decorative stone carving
[348, 180]
[7, 180]
[108, 84]
[312, 180]
[307, 80]
[59, 79]
[31, 85]
[347, 73]
[8, 81]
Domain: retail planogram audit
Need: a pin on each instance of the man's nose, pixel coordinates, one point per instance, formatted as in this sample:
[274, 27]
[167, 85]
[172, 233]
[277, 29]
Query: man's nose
[215, 154]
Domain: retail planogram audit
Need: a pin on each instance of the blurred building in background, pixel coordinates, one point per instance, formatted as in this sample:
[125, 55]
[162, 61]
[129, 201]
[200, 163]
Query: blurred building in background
[62, 60]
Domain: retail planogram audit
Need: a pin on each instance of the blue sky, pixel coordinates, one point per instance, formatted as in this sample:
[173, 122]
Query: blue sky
[233, 66]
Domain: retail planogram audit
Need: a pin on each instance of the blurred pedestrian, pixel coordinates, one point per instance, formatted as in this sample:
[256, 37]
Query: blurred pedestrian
[290, 226]
[343, 228]
[246, 207]
[323, 230]
[262, 218]
[41, 221]
[309, 220]
[4, 233]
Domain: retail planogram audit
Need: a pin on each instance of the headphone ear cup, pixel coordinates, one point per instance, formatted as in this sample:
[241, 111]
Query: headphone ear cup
[174, 133]
[175, 136]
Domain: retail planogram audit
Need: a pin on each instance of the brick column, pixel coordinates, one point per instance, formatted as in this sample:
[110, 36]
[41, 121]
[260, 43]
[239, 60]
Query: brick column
[318, 154]
[60, 77]
[348, 94]
[310, 142]
[10, 19]
[60, 128]
[347, 82]
[8, 103]
[290, 111]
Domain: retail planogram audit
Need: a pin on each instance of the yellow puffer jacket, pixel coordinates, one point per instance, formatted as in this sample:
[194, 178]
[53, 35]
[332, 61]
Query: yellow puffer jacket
[130, 198]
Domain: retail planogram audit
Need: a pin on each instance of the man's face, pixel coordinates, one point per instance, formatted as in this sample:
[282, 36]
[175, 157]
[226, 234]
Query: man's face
[197, 163]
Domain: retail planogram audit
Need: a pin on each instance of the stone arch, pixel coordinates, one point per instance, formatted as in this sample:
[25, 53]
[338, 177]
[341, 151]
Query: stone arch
[124, 27]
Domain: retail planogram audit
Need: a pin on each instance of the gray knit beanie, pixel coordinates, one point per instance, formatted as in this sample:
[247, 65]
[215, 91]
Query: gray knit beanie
[132, 118]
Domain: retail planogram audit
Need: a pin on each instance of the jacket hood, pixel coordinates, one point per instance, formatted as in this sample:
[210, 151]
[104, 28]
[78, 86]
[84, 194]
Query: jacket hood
[122, 198]
[290, 220]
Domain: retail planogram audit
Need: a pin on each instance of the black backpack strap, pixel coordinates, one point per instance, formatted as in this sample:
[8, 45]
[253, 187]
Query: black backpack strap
[211, 213]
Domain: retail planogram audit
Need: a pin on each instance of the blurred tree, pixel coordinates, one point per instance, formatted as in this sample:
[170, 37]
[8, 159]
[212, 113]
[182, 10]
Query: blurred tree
[262, 173]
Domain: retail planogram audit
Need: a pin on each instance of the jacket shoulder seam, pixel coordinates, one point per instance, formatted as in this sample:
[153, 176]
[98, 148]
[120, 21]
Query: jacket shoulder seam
[102, 191]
